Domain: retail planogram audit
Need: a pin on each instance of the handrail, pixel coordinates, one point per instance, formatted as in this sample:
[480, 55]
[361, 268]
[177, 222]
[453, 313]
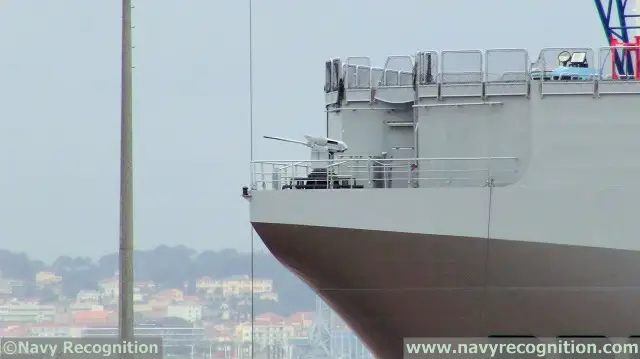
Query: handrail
[490, 63]
[337, 164]
[394, 159]
[291, 165]
[382, 172]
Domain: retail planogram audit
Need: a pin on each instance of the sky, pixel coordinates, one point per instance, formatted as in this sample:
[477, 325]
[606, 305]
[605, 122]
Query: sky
[60, 102]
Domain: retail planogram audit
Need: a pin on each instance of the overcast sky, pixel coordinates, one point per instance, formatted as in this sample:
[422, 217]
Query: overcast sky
[59, 113]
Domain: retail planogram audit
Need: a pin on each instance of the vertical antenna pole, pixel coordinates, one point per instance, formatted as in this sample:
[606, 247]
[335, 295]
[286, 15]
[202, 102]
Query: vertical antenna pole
[126, 182]
[251, 159]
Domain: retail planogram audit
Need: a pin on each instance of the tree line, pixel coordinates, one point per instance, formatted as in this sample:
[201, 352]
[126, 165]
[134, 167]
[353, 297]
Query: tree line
[167, 267]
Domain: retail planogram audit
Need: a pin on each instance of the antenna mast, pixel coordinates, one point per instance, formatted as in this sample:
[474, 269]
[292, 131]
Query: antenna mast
[126, 182]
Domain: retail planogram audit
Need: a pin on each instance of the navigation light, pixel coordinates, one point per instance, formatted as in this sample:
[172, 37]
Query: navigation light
[564, 57]
[579, 59]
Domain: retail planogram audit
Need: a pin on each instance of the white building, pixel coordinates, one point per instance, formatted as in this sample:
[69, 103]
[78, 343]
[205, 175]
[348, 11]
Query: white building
[54, 330]
[235, 285]
[27, 312]
[110, 287]
[265, 333]
[191, 312]
[88, 296]
[81, 306]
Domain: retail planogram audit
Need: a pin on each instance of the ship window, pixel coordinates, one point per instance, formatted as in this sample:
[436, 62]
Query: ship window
[531, 346]
[581, 345]
[332, 142]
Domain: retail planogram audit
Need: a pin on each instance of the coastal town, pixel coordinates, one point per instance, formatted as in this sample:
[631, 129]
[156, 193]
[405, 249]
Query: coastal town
[215, 319]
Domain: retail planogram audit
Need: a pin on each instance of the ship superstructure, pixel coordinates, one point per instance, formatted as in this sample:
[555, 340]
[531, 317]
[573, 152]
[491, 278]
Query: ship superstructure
[481, 194]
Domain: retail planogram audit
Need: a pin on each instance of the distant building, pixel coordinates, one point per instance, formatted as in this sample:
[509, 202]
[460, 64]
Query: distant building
[6, 289]
[191, 312]
[12, 287]
[301, 322]
[145, 286]
[80, 306]
[142, 307]
[235, 285]
[45, 278]
[267, 330]
[110, 290]
[20, 312]
[220, 332]
[88, 296]
[110, 286]
[138, 295]
[268, 296]
[205, 283]
[173, 294]
[94, 317]
[157, 302]
[51, 329]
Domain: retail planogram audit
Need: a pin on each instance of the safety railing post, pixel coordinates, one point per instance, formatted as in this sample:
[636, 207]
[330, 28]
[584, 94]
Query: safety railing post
[329, 175]
[252, 175]
[636, 68]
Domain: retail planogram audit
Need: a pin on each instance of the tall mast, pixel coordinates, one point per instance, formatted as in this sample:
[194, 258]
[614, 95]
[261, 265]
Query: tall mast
[126, 322]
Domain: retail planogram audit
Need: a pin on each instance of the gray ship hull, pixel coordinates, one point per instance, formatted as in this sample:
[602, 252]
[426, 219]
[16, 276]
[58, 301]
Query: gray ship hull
[486, 205]
[391, 285]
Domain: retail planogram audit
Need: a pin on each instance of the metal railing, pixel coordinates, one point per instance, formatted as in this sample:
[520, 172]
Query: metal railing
[343, 173]
[474, 66]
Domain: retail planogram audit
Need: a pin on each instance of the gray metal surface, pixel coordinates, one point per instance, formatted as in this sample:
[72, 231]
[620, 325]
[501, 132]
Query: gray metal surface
[573, 177]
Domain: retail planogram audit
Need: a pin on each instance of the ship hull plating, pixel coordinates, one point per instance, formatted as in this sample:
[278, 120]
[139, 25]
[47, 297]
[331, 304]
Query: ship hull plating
[391, 285]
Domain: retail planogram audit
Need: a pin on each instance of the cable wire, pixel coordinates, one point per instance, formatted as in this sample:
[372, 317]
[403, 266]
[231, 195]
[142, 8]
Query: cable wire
[251, 160]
